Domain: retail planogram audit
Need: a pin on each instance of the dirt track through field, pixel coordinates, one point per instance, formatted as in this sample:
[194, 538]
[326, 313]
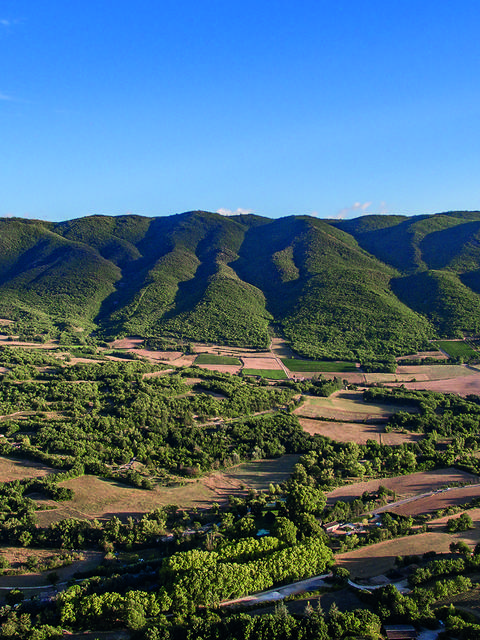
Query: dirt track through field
[405, 486]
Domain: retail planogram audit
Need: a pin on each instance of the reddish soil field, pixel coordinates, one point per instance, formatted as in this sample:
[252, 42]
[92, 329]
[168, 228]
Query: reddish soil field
[442, 500]
[461, 386]
[355, 432]
[223, 368]
[265, 362]
[405, 486]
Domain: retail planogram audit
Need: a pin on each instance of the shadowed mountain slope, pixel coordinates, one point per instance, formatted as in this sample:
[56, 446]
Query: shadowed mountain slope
[345, 289]
[439, 260]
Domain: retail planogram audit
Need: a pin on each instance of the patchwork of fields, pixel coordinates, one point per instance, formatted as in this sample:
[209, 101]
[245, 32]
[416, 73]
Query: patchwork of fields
[343, 417]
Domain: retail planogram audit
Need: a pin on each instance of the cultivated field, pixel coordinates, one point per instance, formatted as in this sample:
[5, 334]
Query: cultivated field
[456, 348]
[442, 500]
[273, 374]
[358, 432]
[465, 385]
[209, 358]
[267, 362]
[346, 405]
[328, 366]
[377, 559]
[405, 486]
[438, 355]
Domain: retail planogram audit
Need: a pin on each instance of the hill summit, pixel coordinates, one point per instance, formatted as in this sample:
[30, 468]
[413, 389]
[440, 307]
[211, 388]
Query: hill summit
[354, 289]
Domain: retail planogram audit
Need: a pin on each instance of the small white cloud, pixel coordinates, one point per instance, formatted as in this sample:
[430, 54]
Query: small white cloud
[237, 212]
[4, 96]
[357, 207]
[361, 208]
[5, 23]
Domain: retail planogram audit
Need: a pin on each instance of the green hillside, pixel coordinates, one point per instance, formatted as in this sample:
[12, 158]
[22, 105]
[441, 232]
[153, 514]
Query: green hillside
[352, 290]
[438, 258]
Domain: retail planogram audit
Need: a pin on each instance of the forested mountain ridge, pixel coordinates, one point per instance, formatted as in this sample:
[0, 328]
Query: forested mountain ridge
[343, 289]
[439, 260]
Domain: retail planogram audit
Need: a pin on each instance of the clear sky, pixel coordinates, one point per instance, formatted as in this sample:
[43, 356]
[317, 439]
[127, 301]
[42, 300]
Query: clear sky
[335, 108]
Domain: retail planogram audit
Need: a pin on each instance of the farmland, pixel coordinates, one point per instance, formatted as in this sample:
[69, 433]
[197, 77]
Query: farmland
[213, 422]
[324, 366]
[272, 374]
[358, 432]
[377, 559]
[209, 358]
[408, 485]
[345, 405]
[100, 498]
[442, 500]
[457, 348]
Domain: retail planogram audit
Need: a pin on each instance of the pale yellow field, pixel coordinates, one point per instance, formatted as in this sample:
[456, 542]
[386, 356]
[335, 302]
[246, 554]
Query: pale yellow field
[345, 405]
[11, 469]
[100, 498]
[374, 560]
[355, 432]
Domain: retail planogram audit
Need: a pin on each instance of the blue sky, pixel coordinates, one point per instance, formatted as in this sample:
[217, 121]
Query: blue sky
[155, 107]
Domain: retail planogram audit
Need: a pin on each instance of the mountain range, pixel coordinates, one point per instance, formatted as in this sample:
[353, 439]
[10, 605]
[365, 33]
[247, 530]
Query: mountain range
[367, 287]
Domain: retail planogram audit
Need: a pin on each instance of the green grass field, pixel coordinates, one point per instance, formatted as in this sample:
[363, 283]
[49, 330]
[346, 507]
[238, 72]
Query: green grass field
[456, 348]
[273, 374]
[317, 365]
[210, 358]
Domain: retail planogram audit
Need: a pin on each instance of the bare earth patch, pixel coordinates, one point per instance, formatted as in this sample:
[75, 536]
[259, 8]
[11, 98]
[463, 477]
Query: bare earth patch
[438, 355]
[11, 469]
[355, 432]
[267, 362]
[405, 486]
[463, 386]
[443, 500]
[126, 343]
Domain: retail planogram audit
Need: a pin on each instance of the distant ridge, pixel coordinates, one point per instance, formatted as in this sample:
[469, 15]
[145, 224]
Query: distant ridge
[359, 288]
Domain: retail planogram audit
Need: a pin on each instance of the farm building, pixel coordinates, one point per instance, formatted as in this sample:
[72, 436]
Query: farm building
[400, 632]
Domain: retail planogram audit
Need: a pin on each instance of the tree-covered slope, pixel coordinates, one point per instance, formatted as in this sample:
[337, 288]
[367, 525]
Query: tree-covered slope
[439, 259]
[331, 297]
[345, 289]
[43, 274]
